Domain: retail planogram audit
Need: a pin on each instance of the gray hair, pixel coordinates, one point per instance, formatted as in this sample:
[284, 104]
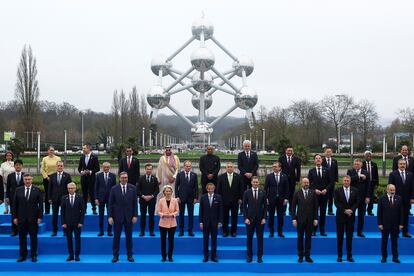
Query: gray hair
[367, 152]
[247, 142]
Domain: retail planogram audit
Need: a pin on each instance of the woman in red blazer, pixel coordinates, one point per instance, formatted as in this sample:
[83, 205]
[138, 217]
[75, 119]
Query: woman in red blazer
[167, 210]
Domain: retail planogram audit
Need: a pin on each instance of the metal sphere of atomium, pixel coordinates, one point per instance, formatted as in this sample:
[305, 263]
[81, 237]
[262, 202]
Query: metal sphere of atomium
[157, 98]
[160, 63]
[246, 98]
[208, 101]
[202, 25]
[202, 59]
[245, 63]
[202, 85]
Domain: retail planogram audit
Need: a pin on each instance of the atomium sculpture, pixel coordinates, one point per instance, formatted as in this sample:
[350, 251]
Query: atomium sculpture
[201, 76]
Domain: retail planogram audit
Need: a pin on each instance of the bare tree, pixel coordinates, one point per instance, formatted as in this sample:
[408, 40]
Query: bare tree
[115, 114]
[407, 116]
[123, 110]
[367, 118]
[339, 110]
[27, 90]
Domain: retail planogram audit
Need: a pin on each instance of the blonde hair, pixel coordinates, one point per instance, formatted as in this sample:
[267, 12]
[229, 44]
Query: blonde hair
[165, 188]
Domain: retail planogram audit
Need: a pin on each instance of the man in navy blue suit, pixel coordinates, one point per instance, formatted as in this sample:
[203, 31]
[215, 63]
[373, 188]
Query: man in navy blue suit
[211, 218]
[332, 164]
[103, 185]
[186, 190]
[277, 194]
[123, 212]
[404, 184]
[248, 163]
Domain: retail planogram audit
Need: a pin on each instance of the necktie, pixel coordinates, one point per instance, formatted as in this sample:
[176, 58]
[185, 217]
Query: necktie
[148, 179]
[329, 162]
[123, 190]
[59, 178]
[86, 160]
[27, 193]
[319, 173]
[210, 199]
[406, 161]
[289, 162]
[255, 194]
[391, 201]
[129, 162]
[306, 194]
[277, 184]
[403, 177]
[71, 200]
[230, 179]
[187, 177]
[369, 169]
[106, 178]
[18, 178]
[347, 194]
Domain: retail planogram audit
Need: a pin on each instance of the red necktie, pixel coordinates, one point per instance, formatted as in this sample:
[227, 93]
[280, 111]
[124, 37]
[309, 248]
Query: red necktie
[129, 162]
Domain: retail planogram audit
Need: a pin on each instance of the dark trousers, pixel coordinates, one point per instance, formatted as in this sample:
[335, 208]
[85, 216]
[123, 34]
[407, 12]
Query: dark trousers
[101, 209]
[322, 202]
[371, 200]
[210, 230]
[204, 181]
[46, 187]
[163, 234]
[330, 200]
[406, 215]
[292, 187]
[278, 207]
[30, 228]
[255, 225]
[88, 189]
[394, 242]
[55, 214]
[304, 230]
[361, 215]
[347, 227]
[14, 228]
[228, 210]
[190, 211]
[77, 233]
[147, 206]
[117, 237]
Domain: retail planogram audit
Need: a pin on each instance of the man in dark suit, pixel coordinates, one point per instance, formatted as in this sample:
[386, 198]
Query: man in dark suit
[254, 211]
[372, 169]
[291, 167]
[248, 163]
[27, 213]
[404, 184]
[103, 186]
[123, 212]
[346, 202]
[360, 180]
[329, 162]
[147, 189]
[305, 218]
[130, 164]
[186, 190]
[390, 215]
[277, 195]
[58, 183]
[405, 155]
[321, 182]
[230, 187]
[209, 167]
[72, 216]
[211, 217]
[88, 167]
[14, 180]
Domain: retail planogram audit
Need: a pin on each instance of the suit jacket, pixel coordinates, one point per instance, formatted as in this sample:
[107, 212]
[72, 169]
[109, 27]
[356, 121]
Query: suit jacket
[27, 210]
[252, 208]
[187, 191]
[152, 188]
[247, 165]
[305, 210]
[230, 195]
[410, 167]
[93, 164]
[210, 215]
[374, 173]
[133, 170]
[333, 169]
[102, 189]
[341, 203]
[12, 185]
[317, 183]
[163, 209]
[405, 191]
[273, 189]
[57, 191]
[363, 186]
[390, 216]
[292, 171]
[72, 215]
[122, 207]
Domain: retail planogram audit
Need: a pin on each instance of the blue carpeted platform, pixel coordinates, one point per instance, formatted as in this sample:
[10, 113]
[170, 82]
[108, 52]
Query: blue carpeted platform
[279, 253]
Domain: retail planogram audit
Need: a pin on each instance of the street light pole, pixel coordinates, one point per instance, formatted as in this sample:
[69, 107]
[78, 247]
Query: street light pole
[83, 125]
[143, 139]
[264, 139]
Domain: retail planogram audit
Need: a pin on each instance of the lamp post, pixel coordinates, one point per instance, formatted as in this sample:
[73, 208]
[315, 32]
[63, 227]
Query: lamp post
[143, 139]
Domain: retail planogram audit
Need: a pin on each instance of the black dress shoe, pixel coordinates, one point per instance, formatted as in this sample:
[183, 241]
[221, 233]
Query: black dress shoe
[115, 259]
[205, 259]
[300, 260]
[70, 258]
[233, 234]
[47, 213]
[181, 234]
[141, 234]
[370, 213]
[383, 260]
[54, 234]
[100, 234]
[225, 234]
[396, 260]
[21, 259]
[77, 259]
[331, 213]
[361, 235]
[313, 234]
[13, 234]
[324, 234]
[309, 260]
[249, 260]
[190, 233]
[214, 259]
[260, 260]
[152, 234]
[350, 259]
[170, 259]
[339, 260]
[94, 212]
[131, 259]
[406, 235]
[280, 235]
[34, 259]
[110, 234]
[163, 260]
[271, 235]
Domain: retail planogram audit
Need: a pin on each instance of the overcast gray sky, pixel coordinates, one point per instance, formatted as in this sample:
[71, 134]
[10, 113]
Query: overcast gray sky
[301, 49]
